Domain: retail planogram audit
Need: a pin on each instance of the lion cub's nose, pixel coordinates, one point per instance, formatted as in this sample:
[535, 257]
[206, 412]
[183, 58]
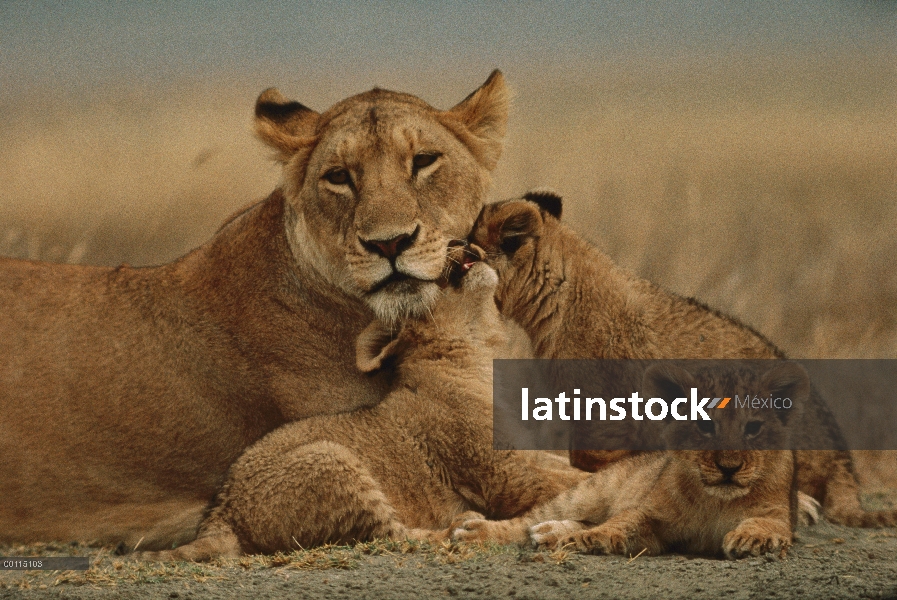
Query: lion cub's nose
[392, 247]
[728, 470]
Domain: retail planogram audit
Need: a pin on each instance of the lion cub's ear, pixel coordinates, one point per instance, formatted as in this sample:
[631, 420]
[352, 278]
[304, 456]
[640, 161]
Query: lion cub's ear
[667, 381]
[484, 115]
[548, 200]
[515, 223]
[788, 380]
[374, 346]
[285, 125]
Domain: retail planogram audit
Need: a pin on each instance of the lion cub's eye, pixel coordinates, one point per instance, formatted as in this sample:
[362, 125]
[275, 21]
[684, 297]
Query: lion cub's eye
[706, 427]
[511, 244]
[338, 177]
[423, 160]
[752, 428]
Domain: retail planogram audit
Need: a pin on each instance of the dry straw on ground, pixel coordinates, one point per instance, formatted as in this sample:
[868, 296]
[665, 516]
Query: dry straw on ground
[109, 569]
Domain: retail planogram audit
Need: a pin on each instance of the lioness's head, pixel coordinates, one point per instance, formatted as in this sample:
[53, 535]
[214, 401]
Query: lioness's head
[377, 185]
[731, 453]
[463, 321]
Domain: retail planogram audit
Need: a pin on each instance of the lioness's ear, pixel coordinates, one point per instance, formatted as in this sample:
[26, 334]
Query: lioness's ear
[667, 381]
[548, 200]
[515, 223]
[285, 125]
[788, 380]
[484, 115]
[374, 346]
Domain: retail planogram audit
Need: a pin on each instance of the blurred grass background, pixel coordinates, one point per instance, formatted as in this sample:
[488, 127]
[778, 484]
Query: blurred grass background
[765, 185]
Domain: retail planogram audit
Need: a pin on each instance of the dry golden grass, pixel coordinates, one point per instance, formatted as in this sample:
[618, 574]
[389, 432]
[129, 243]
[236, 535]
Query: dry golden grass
[765, 186]
[108, 569]
[768, 191]
[106, 182]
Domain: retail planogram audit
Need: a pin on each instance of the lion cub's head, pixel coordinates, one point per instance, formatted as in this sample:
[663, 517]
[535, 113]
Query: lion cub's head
[740, 446]
[513, 232]
[462, 326]
[377, 186]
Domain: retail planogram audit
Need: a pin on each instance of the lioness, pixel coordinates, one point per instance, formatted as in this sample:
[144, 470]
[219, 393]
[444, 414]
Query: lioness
[718, 500]
[126, 393]
[401, 469]
[573, 302]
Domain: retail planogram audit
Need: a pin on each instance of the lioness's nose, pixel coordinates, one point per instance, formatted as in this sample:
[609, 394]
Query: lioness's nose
[392, 247]
[728, 470]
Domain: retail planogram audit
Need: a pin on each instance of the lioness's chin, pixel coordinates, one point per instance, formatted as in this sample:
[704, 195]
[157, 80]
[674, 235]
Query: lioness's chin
[727, 491]
[401, 299]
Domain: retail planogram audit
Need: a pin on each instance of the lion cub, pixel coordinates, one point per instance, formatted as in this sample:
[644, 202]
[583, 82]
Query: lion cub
[711, 501]
[574, 302]
[402, 469]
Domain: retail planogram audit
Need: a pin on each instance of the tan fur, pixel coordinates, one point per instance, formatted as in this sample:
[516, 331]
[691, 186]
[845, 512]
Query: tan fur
[713, 501]
[406, 468]
[575, 303]
[125, 394]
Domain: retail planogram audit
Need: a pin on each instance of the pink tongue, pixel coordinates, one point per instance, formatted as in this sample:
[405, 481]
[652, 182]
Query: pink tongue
[468, 263]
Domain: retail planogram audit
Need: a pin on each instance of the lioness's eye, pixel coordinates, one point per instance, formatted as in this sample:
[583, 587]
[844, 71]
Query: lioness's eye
[706, 427]
[337, 176]
[423, 160]
[752, 427]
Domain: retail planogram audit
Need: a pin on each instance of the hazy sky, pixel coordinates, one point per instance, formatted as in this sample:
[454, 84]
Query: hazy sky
[93, 46]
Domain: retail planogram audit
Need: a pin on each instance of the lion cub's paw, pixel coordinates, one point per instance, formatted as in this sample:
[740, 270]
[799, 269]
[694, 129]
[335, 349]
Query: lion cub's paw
[432, 536]
[754, 541]
[435, 536]
[600, 540]
[481, 530]
[221, 544]
[475, 530]
[808, 509]
[550, 533]
[186, 553]
[470, 515]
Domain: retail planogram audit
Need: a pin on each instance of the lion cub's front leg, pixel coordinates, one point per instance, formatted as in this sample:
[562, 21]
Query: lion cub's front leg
[757, 536]
[627, 533]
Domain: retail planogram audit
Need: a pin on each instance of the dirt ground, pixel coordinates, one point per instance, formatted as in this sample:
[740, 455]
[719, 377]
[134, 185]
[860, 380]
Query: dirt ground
[827, 561]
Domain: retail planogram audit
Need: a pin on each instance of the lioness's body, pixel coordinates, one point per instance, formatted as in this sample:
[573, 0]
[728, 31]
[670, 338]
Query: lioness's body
[574, 302]
[125, 394]
[413, 462]
[706, 500]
